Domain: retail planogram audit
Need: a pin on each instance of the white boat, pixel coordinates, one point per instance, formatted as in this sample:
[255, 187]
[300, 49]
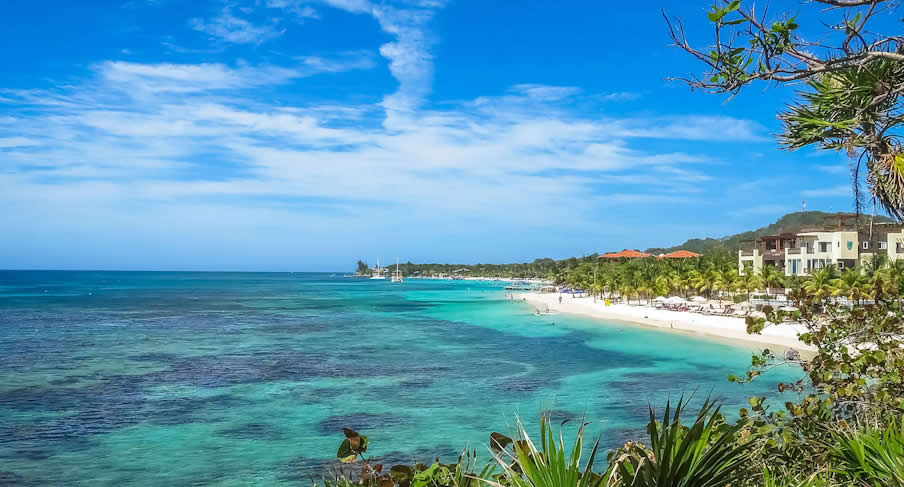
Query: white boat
[397, 276]
[378, 271]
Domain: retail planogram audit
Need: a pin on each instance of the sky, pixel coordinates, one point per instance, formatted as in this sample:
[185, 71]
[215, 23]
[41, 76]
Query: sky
[302, 135]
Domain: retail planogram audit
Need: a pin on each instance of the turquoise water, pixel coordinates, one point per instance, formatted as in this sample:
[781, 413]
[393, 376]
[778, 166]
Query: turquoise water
[128, 378]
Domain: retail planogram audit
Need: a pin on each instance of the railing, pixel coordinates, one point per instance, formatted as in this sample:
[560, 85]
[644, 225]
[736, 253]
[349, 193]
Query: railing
[794, 251]
[746, 253]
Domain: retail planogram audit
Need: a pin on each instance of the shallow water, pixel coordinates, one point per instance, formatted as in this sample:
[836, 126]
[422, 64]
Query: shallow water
[130, 378]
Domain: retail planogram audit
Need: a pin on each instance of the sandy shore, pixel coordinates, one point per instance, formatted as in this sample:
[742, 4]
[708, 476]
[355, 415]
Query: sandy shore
[731, 328]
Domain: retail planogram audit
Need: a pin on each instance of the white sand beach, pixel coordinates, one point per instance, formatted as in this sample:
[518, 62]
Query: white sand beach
[733, 328]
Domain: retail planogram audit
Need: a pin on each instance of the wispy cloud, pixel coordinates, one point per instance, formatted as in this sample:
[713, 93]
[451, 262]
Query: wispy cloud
[152, 146]
[765, 209]
[834, 191]
[838, 169]
[619, 96]
[183, 143]
[7, 142]
[230, 28]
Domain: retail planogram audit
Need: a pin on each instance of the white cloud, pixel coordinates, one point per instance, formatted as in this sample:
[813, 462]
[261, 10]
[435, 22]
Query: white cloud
[142, 148]
[838, 169]
[7, 142]
[188, 143]
[765, 209]
[694, 127]
[835, 191]
[230, 28]
[545, 92]
[619, 96]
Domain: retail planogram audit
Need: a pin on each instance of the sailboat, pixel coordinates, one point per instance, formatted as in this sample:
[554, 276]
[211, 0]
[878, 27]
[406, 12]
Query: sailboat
[397, 276]
[378, 271]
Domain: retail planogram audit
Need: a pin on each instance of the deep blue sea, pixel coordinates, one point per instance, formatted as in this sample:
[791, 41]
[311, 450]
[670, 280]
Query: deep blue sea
[227, 379]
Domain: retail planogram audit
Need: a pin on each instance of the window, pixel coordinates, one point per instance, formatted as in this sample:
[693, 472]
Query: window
[841, 264]
[838, 244]
[824, 246]
[883, 245]
[865, 245]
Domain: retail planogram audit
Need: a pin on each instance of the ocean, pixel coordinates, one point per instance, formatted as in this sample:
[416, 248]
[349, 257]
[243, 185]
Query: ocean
[191, 378]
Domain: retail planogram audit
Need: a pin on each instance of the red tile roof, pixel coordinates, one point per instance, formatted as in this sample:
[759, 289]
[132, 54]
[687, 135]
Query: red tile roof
[681, 254]
[626, 254]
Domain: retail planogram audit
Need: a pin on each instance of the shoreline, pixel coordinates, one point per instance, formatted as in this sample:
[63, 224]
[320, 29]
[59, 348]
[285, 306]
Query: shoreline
[724, 327]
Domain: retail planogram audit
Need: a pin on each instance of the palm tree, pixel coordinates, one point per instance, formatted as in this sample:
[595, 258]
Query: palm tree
[699, 281]
[747, 282]
[771, 277]
[874, 264]
[678, 280]
[852, 284]
[724, 280]
[820, 284]
[896, 278]
[661, 285]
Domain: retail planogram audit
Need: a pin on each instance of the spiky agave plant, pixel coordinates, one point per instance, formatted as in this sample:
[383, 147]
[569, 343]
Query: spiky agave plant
[704, 454]
[870, 456]
[551, 464]
[785, 479]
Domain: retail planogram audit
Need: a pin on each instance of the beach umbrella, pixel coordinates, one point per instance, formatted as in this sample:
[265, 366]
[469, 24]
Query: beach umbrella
[758, 314]
[788, 308]
[676, 300]
[698, 299]
[744, 305]
[660, 299]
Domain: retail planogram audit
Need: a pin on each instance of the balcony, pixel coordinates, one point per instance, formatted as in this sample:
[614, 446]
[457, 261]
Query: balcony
[794, 251]
[746, 253]
[770, 254]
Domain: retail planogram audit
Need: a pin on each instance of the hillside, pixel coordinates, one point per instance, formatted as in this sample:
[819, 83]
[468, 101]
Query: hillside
[546, 266]
[789, 222]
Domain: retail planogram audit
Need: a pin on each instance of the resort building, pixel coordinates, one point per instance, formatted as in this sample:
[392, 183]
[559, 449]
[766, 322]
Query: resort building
[812, 248]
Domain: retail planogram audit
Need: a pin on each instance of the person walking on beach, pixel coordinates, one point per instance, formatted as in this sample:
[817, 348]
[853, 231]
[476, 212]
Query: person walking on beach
[560, 299]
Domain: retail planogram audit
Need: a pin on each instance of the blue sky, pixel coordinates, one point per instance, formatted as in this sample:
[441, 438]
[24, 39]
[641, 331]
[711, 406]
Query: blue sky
[303, 135]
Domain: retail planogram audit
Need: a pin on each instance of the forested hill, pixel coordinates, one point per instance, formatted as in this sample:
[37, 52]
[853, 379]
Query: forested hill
[727, 246]
[787, 223]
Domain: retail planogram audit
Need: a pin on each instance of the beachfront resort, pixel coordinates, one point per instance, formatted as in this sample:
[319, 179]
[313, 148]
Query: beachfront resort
[844, 245]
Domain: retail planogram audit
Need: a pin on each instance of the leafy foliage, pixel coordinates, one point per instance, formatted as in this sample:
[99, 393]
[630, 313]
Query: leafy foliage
[871, 457]
[704, 454]
[551, 464]
[853, 73]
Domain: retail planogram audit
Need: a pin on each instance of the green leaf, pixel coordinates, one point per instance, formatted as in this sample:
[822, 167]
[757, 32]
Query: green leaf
[734, 5]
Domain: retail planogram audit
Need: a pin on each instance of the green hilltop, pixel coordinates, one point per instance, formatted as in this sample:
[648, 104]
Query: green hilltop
[725, 246]
[787, 223]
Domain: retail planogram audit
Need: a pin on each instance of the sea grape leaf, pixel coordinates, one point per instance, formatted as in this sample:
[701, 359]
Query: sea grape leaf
[400, 473]
[498, 441]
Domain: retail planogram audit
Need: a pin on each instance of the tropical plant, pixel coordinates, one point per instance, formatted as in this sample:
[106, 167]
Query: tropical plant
[870, 457]
[820, 284]
[852, 284]
[853, 377]
[462, 473]
[771, 277]
[788, 479]
[705, 454]
[854, 75]
[551, 464]
[747, 282]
